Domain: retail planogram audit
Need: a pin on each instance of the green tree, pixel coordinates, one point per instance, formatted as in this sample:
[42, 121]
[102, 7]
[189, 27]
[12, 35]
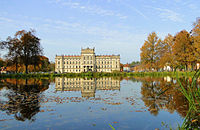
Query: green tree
[52, 66]
[134, 63]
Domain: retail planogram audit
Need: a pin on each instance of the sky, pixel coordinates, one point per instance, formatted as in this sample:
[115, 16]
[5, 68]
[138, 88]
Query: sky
[111, 26]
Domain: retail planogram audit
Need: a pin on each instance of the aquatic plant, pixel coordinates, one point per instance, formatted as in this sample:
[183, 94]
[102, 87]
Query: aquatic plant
[191, 91]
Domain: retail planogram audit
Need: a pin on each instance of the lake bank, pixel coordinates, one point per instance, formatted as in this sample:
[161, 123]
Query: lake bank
[95, 74]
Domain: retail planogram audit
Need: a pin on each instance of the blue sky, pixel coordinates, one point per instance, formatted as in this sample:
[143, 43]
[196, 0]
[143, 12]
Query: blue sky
[111, 26]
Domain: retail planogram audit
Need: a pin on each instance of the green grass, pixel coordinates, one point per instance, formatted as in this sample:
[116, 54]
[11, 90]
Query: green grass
[112, 127]
[103, 74]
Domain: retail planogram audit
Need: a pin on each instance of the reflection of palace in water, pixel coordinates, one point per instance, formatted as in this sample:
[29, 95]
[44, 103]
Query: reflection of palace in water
[87, 86]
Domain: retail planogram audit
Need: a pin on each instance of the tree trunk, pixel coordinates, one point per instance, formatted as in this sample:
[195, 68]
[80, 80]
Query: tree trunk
[26, 68]
[34, 67]
[16, 67]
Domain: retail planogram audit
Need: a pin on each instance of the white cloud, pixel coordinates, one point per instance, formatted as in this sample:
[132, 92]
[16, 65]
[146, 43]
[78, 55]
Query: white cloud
[135, 10]
[5, 19]
[166, 14]
[91, 9]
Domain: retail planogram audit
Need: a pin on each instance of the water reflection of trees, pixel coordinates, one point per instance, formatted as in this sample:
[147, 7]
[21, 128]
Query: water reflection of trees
[161, 93]
[23, 98]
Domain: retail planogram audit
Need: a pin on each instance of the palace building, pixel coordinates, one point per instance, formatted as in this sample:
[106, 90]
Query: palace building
[87, 62]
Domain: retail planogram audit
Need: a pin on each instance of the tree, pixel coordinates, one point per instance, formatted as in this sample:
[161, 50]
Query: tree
[196, 39]
[165, 52]
[2, 45]
[30, 48]
[134, 63]
[148, 53]
[14, 51]
[183, 49]
[2, 62]
[24, 48]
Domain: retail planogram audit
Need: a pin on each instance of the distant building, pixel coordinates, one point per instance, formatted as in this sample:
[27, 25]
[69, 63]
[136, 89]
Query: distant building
[126, 68]
[167, 68]
[198, 66]
[3, 70]
[87, 62]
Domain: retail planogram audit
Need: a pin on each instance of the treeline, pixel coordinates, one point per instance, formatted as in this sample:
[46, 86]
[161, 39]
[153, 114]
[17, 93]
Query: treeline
[179, 51]
[24, 53]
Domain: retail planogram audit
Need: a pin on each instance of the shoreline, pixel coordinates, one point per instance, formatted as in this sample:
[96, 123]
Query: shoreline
[97, 74]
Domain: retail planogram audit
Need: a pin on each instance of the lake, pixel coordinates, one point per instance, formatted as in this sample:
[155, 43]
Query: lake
[91, 103]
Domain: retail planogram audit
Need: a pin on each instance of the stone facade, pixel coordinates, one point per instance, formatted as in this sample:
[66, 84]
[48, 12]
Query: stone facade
[87, 86]
[87, 62]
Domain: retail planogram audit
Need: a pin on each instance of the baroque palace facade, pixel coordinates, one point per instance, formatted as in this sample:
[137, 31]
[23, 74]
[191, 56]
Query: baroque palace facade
[87, 62]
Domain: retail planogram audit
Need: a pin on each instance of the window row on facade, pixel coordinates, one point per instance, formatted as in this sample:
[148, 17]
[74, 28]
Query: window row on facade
[97, 66]
[86, 62]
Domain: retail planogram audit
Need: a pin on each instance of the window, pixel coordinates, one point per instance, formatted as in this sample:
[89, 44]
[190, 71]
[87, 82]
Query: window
[58, 62]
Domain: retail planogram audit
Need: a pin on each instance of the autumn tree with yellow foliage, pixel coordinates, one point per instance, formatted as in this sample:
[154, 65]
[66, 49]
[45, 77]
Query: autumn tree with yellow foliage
[196, 39]
[148, 53]
[183, 50]
[166, 52]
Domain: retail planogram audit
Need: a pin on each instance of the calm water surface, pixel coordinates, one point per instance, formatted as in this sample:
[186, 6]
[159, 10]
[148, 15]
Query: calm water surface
[91, 103]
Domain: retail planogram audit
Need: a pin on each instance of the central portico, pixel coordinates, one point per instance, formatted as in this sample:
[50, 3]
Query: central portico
[88, 60]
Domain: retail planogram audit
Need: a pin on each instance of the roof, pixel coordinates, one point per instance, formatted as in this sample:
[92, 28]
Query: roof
[72, 56]
[126, 65]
